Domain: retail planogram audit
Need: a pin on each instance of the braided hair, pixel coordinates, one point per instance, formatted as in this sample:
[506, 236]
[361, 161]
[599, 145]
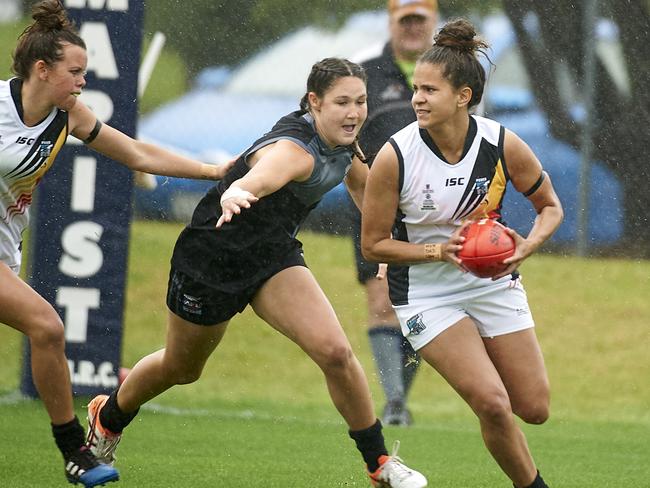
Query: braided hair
[322, 76]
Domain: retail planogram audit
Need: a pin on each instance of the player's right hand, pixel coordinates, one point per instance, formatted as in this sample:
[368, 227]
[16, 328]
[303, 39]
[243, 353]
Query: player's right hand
[233, 200]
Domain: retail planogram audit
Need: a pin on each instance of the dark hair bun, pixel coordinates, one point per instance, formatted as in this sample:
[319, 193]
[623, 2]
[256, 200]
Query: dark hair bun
[50, 15]
[459, 34]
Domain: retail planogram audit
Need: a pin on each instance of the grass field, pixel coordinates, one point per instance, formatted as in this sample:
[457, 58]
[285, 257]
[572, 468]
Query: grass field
[261, 417]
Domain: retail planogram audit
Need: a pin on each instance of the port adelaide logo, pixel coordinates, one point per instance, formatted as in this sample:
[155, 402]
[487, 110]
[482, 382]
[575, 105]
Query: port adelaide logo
[45, 149]
[415, 324]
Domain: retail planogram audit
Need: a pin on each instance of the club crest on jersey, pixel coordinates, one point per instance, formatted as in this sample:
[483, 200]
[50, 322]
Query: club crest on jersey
[45, 149]
[427, 201]
[481, 186]
[415, 324]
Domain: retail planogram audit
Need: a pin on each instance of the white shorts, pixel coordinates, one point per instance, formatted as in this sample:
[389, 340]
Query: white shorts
[496, 310]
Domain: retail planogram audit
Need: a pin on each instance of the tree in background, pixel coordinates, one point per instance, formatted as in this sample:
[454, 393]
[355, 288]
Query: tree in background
[621, 111]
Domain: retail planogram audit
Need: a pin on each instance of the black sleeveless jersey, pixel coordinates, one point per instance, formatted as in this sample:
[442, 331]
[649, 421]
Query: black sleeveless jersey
[248, 249]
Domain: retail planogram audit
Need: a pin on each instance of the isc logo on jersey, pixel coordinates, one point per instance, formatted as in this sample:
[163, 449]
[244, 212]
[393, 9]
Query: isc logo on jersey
[25, 140]
[455, 181]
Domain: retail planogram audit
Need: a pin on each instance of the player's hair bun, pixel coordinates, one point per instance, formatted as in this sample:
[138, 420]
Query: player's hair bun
[50, 15]
[459, 34]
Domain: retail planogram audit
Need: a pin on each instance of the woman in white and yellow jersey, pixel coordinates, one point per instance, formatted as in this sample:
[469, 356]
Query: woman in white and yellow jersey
[447, 167]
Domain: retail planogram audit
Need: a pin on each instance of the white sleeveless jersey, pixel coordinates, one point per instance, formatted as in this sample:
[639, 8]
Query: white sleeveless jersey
[435, 197]
[26, 153]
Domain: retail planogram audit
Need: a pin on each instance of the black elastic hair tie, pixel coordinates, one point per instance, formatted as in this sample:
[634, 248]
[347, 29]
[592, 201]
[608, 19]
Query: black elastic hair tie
[93, 133]
[536, 185]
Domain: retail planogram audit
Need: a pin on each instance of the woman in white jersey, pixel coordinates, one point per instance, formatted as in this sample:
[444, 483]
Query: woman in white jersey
[38, 109]
[445, 168]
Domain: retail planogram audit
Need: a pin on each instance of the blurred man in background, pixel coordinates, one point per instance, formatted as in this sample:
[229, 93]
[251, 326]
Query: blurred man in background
[412, 25]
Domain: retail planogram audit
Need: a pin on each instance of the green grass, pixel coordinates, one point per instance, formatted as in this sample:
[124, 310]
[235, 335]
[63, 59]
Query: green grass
[262, 407]
[8, 36]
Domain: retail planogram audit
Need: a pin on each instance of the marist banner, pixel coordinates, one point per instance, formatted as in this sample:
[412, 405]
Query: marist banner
[80, 231]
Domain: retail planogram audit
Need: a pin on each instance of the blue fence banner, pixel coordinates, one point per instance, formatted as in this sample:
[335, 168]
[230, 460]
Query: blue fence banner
[80, 232]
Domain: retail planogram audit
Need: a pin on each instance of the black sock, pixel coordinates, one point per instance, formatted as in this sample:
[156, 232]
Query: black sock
[370, 443]
[538, 482]
[69, 437]
[112, 417]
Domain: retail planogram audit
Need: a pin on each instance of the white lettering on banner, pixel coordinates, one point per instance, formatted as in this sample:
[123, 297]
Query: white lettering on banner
[82, 256]
[101, 59]
[83, 184]
[83, 373]
[114, 5]
[99, 102]
[77, 302]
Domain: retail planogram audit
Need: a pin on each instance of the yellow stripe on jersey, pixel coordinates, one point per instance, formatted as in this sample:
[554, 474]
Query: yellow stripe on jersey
[492, 201]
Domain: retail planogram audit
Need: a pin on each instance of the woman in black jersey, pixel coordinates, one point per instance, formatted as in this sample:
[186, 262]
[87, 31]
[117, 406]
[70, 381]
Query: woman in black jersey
[241, 248]
[40, 104]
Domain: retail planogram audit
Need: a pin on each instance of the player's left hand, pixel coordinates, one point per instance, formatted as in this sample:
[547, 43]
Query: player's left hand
[522, 250]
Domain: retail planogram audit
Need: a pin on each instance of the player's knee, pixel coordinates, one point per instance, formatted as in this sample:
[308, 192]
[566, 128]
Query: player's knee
[47, 331]
[534, 412]
[337, 356]
[493, 407]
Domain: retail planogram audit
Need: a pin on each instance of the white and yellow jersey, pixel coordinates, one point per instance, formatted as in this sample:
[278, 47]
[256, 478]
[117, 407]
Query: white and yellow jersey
[436, 196]
[26, 153]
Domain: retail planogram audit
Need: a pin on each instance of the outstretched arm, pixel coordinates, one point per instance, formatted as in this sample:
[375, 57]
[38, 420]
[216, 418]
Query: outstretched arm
[272, 168]
[138, 155]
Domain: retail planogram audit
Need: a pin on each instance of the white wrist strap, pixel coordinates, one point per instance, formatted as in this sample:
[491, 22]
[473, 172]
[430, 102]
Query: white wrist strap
[234, 191]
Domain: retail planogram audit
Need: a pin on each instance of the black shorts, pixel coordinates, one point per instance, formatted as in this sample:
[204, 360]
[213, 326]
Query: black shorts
[202, 304]
[365, 270]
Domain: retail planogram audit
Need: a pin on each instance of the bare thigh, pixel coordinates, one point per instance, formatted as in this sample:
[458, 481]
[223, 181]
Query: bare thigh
[459, 355]
[20, 306]
[293, 303]
[519, 361]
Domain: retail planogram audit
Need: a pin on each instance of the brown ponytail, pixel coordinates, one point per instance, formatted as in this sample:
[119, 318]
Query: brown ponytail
[43, 39]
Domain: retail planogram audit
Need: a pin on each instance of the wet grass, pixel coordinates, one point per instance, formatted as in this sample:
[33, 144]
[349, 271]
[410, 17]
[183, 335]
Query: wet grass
[261, 416]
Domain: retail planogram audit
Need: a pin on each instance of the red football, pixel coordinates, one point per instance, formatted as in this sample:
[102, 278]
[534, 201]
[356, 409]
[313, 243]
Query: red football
[486, 245]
